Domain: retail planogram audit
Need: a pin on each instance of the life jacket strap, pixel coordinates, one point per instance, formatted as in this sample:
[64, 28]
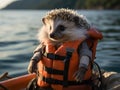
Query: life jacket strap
[53, 71]
[69, 52]
[60, 82]
[53, 56]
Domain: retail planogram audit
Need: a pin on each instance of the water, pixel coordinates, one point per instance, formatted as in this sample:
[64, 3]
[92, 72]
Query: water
[18, 39]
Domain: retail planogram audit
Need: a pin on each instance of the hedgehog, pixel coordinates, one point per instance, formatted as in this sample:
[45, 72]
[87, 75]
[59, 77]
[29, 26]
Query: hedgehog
[62, 25]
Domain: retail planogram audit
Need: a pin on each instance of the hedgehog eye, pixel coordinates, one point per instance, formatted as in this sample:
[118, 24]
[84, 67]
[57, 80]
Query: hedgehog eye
[61, 27]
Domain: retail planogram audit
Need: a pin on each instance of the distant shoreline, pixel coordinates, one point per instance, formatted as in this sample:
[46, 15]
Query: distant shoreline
[71, 4]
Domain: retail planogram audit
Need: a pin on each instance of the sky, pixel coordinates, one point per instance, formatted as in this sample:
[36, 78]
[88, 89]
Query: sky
[4, 3]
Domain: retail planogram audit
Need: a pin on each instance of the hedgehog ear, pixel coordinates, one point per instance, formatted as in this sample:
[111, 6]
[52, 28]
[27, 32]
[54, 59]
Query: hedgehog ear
[76, 20]
[43, 20]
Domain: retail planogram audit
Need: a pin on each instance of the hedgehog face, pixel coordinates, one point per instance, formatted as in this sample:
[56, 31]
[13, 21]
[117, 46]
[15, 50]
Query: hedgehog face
[62, 30]
[62, 25]
[56, 29]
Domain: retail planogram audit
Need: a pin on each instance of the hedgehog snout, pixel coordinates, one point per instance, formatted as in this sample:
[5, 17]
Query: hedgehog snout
[52, 35]
[56, 35]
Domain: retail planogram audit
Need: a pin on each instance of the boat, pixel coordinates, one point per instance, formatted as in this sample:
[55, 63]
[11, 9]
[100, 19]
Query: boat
[17, 83]
[111, 81]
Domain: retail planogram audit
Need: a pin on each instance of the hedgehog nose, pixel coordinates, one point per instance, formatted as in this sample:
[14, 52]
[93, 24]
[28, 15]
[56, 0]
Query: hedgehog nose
[52, 35]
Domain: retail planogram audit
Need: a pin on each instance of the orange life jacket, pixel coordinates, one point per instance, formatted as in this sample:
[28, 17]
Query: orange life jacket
[57, 67]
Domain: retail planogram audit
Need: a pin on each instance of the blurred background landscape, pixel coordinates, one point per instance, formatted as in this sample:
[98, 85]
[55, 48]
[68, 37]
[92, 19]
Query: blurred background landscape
[20, 21]
[51, 4]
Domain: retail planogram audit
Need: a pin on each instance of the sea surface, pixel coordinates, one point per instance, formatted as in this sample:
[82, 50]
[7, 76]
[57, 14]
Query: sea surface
[18, 30]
